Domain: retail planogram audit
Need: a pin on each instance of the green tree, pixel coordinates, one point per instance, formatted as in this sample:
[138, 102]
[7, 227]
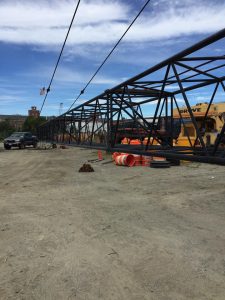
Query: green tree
[5, 129]
[31, 124]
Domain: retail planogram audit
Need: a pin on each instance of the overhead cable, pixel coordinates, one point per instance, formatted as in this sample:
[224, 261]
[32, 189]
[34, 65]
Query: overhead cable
[61, 52]
[107, 57]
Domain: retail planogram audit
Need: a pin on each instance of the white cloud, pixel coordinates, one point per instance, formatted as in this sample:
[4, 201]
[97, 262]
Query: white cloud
[66, 76]
[58, 13]
[172, 87]
[45, 23]
[190, 21]
[11, 99]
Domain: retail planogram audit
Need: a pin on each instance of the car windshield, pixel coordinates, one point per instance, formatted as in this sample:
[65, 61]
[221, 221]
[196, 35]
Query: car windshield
[17, 134]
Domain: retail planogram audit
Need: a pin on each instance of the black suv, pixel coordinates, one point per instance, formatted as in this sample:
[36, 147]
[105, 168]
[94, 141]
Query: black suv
[21, 140]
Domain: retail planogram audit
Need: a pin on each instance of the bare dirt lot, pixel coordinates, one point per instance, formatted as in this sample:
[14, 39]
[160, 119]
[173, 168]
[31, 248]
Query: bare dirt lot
[118, 233]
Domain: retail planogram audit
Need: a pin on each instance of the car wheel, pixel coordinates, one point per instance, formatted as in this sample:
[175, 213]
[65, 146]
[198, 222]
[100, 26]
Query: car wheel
[7, 147]
[22, 146]
[35, 145]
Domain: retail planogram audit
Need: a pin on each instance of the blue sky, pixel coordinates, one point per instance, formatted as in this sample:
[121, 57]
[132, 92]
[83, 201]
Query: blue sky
[32, 32]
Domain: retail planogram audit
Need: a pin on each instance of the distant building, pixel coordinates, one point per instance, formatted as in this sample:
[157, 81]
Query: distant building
[16, 121]
[33, 112]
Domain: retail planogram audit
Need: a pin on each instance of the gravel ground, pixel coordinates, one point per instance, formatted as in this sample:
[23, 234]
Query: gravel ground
[118, 233]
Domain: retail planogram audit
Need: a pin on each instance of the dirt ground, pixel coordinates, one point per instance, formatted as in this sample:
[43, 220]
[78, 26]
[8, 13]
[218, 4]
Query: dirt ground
[118, 233]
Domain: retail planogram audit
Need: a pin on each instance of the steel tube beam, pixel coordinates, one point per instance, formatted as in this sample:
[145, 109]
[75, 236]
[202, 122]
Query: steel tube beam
[104, 114]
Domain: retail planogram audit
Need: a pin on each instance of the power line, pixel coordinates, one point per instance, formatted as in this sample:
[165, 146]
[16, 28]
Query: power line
[107, 57]
[57, 63]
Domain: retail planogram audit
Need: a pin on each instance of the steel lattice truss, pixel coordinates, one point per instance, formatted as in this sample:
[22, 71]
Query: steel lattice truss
[125, 109]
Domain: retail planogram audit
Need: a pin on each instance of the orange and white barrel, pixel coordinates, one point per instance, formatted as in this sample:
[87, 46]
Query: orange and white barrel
[125, 160]
[115, 154]
[138, 160]
[146, 160]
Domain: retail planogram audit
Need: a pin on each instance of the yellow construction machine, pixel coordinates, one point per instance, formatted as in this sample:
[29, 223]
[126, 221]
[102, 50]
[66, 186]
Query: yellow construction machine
[209, 126]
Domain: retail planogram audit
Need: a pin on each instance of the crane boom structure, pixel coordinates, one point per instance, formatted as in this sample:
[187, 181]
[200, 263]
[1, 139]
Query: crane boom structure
[163, 92]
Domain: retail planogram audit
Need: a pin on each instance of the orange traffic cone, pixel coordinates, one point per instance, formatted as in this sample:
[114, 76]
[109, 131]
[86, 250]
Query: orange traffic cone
[100, 157]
